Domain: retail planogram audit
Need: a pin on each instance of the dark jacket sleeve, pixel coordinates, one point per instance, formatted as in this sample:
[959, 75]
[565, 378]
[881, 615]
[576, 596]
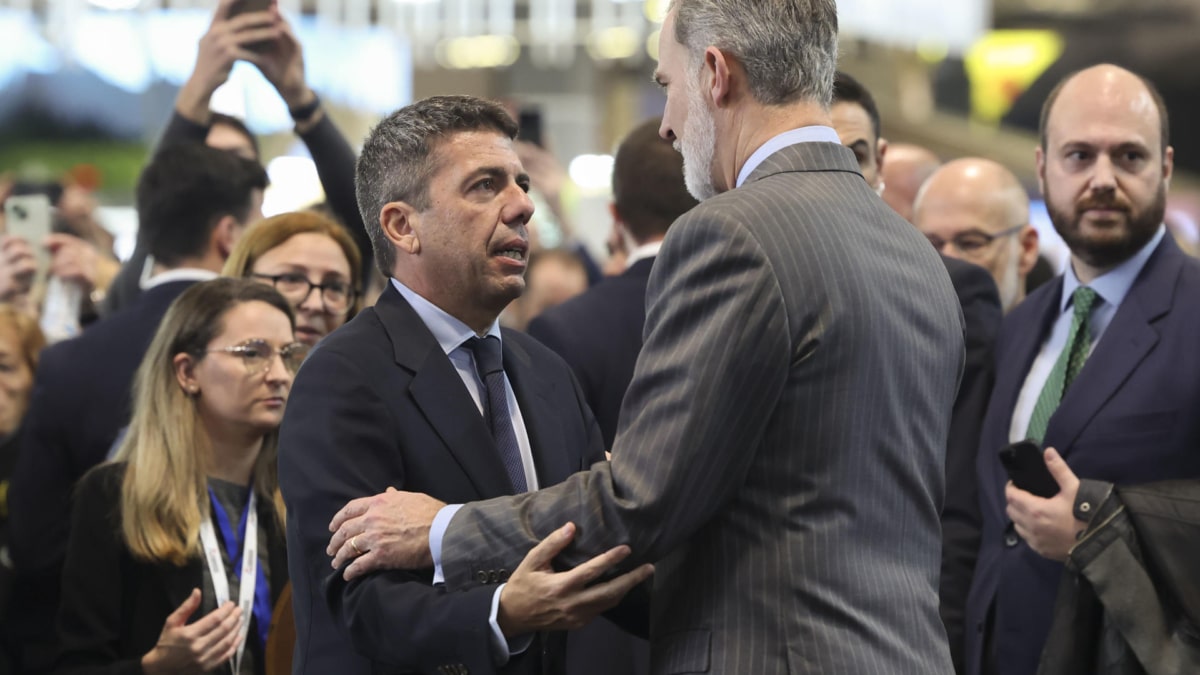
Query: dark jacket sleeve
[91, 614]
[960, 513]
[339, 441]
[335, 166]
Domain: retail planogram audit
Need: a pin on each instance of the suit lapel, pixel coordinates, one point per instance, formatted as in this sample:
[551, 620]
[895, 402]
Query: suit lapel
[438, 392]
[545, 435]
[1130, 337]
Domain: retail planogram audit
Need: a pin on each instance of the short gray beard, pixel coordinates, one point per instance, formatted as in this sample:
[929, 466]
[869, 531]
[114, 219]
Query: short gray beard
[698, 146]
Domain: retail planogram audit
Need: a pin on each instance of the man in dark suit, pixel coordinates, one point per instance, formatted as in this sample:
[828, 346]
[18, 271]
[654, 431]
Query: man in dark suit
[781, 447]
[1099, 366]
[193, 202]
[425, 392]
[599, 333]
[856, 119]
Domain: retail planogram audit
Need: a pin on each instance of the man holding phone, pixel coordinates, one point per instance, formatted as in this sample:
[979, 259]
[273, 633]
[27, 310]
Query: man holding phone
[1099, 366]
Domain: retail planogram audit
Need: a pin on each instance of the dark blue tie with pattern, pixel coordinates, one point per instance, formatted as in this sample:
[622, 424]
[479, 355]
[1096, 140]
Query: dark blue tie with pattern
[489, 363]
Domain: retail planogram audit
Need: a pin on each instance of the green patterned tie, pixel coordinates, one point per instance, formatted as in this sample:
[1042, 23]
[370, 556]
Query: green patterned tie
[1068, 365]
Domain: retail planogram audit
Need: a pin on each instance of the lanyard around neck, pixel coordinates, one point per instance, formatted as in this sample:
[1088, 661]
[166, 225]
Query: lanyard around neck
[253, 595]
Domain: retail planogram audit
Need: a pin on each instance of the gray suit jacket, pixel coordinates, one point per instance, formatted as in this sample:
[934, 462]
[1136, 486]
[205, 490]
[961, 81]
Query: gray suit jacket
[781, 447]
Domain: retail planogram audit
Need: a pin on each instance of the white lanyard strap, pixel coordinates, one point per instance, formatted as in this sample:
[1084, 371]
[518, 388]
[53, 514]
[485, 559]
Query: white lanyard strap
[248, 578]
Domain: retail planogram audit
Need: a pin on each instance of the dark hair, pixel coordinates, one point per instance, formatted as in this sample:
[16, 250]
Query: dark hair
[846, 89]
[184, 191]
[648, 187]
[238, 126]
[399, 157]
[1164, 124]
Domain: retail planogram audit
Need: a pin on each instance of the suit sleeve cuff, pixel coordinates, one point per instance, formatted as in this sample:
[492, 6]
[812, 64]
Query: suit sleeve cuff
[1089, 497]
[502, 648]
[437, 531]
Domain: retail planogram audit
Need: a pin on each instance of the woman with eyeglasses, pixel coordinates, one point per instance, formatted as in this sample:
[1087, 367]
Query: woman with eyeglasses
[311, 260]
[176, 554]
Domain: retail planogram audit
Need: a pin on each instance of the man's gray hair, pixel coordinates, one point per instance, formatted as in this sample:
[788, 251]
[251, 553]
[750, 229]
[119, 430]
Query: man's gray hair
[787, 47]
[398, 157]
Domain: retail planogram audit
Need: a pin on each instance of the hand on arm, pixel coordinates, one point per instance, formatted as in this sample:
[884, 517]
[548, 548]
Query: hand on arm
[537, 598]
[283, 65]
[226, 41]
[197, 648]
[1049, 525]
[386, 531]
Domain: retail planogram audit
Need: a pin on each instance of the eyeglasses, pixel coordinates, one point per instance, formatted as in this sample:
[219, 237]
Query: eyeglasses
[336, 296]
[258, 355]
[972, 241]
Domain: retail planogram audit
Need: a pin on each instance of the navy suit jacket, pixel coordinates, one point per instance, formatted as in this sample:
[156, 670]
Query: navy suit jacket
[599, 334]
[379, 405]
[80, 401]
[1129, 417]
[960, 512]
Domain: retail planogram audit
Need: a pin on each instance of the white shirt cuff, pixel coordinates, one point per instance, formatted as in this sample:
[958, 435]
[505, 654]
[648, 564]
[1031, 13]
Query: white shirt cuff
[502, 648]
[437, 531]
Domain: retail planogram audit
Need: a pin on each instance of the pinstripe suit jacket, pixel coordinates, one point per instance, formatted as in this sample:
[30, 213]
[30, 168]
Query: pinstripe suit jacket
[780, 453]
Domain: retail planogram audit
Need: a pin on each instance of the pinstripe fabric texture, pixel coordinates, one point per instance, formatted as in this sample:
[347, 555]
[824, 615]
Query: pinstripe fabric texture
[780, 450]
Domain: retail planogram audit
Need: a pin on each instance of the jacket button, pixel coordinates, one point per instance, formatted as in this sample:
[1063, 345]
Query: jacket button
[481, 577]
[493, 577]
[1085, 507]
[1011, 540]
[504, 574]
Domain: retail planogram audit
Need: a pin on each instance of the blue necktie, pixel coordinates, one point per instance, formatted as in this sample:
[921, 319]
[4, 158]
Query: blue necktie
[489, 363]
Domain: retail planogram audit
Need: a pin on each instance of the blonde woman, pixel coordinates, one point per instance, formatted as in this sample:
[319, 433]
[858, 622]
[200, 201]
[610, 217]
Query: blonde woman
[311, 261]
[176, 553]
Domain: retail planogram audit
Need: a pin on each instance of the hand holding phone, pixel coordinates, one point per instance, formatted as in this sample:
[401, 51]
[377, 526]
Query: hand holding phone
[1026, 467]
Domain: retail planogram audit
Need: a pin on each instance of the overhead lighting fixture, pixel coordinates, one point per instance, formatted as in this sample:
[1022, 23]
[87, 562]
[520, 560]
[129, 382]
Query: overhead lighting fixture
[115, 5]
[478, 51]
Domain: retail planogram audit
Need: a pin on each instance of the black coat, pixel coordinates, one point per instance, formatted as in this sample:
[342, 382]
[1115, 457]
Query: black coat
[113, 605]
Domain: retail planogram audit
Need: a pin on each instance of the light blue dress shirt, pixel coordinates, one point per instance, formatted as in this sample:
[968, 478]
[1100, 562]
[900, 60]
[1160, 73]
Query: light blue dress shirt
[451, 334]
[813, 134]
[1111, 289]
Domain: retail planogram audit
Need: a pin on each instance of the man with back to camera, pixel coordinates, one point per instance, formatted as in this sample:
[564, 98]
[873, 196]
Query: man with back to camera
[1099, 366]
[424, 391]
[857, 121]
[803, 347]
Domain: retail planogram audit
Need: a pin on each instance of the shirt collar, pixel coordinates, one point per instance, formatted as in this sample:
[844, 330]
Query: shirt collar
[812, 134]
[447, 330]
[181, 274]
[642, 252]
[1113, 285]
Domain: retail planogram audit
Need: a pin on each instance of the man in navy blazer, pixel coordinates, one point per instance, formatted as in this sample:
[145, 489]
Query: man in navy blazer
[599, 333]
[193, 201]
[395, 399]
[1128, 415]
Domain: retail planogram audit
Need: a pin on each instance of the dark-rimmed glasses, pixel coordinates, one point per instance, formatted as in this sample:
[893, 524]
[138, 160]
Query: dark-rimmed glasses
[258, 355]
[972, 241]
[337, 297]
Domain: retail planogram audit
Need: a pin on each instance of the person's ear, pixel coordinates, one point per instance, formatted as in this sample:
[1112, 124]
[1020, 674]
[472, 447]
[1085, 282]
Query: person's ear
[225, 235]
[401, 225]
[185, 374]
[1028, 238]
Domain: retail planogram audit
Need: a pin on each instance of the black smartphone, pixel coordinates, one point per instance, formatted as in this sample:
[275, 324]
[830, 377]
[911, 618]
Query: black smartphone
[1027, 468]
[244, 6]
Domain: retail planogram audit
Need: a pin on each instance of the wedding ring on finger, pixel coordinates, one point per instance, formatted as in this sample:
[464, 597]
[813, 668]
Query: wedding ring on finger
[354, 545]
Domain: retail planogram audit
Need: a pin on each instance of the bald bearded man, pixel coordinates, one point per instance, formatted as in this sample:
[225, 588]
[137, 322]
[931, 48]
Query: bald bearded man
[976, 210]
